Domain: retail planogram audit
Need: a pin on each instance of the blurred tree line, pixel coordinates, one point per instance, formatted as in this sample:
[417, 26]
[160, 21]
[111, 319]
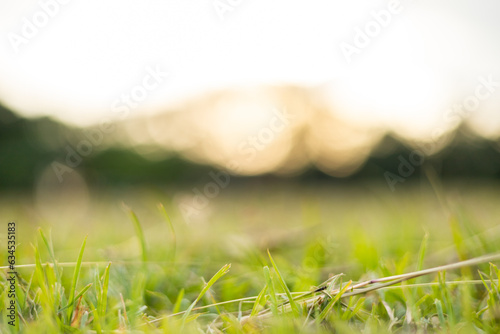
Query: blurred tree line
[28, 146]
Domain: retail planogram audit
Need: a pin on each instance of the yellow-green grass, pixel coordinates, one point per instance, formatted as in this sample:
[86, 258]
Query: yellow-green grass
[304, 259]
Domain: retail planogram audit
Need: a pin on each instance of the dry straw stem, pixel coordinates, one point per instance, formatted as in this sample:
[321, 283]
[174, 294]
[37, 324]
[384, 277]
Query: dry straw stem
[319, 294]
[326, 290]
[356, 288]
[380, 283]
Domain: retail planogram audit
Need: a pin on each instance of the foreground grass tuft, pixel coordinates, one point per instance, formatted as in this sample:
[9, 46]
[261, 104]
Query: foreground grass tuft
[289, 286]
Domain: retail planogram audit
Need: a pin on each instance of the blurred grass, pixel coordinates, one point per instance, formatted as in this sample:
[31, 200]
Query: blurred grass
[362, 231]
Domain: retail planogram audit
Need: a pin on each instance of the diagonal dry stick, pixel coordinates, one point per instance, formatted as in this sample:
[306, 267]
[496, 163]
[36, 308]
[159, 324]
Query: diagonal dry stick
[392, 280]
[403, 277]
[356, 289]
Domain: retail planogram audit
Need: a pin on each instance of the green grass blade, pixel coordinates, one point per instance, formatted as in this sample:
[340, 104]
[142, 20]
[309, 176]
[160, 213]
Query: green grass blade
[42, 283]
[272, 292]
[332, 302]
[172, 230]
[192, 317]
[52, 284]
[446, 297]
[293, 304]
[28, 288]
[76, 274]
[178, 301]
[85, 288]
[255, 308]
[139, 232]
[97, 320]
[97, 283]
[439, 309]
[484, 281]
[50, 249]
[222, 271]
[422, 251]
[355, 309]
[104, 296]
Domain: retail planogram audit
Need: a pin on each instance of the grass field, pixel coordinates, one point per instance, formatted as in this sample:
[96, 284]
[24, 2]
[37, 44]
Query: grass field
[108, 268]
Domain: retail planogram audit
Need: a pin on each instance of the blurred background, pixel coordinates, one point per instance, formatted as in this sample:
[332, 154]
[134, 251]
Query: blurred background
[190, 100]
[356, 137]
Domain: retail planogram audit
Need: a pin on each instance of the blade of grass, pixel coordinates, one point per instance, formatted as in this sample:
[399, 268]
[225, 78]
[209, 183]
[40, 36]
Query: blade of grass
[222, 271]
[446, 298]
[354, 310]
[125, 320]
[211, 298]
[50, 249]
[192, 317]
[139, 232]
[104, 296]
[422, 251]
[293, 305]
[172, 230]
[40, 276]
[439, 309]
[85, 288]
[332, 302]
[84, 319]
[97, 320]
[272, 292]
[97, 284]
[53, 285]
[494, 271]
[255, 308]
[76, 274]
[178, 301]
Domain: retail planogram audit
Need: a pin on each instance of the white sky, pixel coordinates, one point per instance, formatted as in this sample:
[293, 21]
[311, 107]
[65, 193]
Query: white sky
[427, 58]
